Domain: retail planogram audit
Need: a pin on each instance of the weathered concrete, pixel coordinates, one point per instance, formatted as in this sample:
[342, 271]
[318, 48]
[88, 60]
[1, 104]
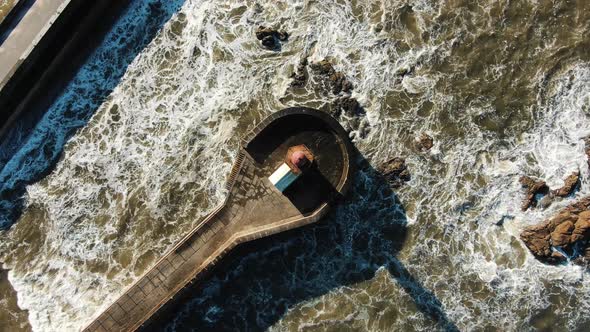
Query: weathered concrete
[26, 35]
[254, 208]
[42, 52]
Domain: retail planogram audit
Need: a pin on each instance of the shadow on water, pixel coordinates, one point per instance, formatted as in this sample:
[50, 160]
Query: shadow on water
[315, 185]
[30, 150]
[259, 282]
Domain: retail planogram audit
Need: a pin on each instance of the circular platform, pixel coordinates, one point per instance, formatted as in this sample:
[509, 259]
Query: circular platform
[323, 136]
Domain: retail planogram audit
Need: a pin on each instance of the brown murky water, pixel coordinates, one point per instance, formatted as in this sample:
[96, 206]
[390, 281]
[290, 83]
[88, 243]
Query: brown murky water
[11, 317]
[503, 87]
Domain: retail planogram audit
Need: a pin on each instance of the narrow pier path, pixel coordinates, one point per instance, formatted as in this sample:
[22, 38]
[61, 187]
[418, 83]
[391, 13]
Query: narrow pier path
[254, 208]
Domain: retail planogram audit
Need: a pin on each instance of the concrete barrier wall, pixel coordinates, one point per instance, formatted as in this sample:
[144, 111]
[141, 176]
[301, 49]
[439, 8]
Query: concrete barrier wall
[55, 55]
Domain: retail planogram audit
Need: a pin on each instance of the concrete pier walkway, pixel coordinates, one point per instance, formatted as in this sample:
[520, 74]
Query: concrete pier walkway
[254, 208]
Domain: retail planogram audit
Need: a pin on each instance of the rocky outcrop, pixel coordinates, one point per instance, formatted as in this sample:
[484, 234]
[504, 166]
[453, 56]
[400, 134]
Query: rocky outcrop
[536, 238]
[562, 233]
[340, 83]
[270, 38]
[347, 105]
[582, 227]
[395, 171]
[546, 201]
[351, 115]
[533, 188]
[570, 184]
[299, 76]
[336, 80]
[566, 233]
[424, 142]
[345, 108]
[323, 67]
[538, 188]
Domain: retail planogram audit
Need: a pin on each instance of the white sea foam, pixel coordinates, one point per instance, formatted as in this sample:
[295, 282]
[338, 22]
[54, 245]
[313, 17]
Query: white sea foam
[556, 147]
[148, 165]
[152, 161]
[482, 223]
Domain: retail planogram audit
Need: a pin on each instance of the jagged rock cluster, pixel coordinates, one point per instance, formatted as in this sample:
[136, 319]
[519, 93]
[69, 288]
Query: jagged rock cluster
[533, 189]
[299, 76]
[351, 114]
[424, 142]
[347, 105]
[271, 38]
[396, 172]
[565, 234]
[570, 184]
[537, 188]
[344, 107]
[336, 80]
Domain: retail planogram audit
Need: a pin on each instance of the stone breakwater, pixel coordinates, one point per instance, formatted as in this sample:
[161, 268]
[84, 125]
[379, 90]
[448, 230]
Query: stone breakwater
[253, 209]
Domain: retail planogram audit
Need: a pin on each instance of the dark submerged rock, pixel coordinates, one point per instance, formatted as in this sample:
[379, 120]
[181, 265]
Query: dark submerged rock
[352, 116]
[424, 143]
[533, 187]
[269, 37]
[395, 171]
[282, 35]
[268, 42]
[547, 200]
[299, 80]
[348, 106]
[300, 75]
[363, 130]
[346, 109]
[263, 32]
[323, 67]
[337, 81]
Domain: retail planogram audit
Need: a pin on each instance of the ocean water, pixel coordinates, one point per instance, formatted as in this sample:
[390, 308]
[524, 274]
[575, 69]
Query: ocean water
[503, 87]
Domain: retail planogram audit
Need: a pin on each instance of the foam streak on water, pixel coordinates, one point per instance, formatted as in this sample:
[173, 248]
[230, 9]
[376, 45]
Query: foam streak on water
[489, 80]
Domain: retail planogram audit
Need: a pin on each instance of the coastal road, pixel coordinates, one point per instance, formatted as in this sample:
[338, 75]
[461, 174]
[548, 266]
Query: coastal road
[26, 34]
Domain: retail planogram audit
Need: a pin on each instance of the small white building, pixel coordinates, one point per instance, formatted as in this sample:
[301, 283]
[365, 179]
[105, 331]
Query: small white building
[298, 159]
[283, 177]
